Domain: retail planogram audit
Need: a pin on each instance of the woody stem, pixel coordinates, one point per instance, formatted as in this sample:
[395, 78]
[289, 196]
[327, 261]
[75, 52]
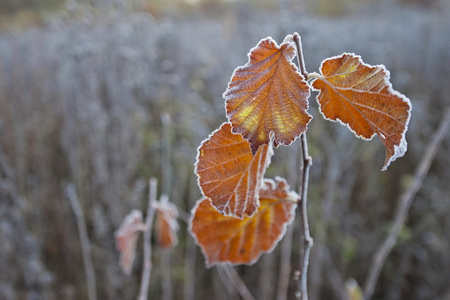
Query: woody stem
[302, 205]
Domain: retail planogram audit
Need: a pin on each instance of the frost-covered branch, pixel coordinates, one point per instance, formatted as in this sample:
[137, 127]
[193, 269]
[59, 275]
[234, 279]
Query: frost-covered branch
[302, 206]
[237, 282]
[405, 203]
[285, 264]
[84, 240]
[147, 261]
[301, 60]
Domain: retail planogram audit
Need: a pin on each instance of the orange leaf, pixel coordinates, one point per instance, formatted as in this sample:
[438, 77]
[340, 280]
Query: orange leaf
[228, 239]
[166, 223]
[361, 97]
[268, 94]
[126, 238]
[229, 174]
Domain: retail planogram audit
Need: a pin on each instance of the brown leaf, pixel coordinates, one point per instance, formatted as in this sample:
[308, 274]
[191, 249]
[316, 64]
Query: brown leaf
[126, 238]
[228, 239]
[166, 225]
[229, 174]
[268, 94]
[361, 97]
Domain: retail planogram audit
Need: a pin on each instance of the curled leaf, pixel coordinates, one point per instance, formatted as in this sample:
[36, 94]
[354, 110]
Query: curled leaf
[241, 241]
[268, 94]
[126, 238]
[166, 225]
[361, 97]
[229, 174]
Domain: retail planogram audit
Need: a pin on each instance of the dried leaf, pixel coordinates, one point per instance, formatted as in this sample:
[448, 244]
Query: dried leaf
[229, 174]
[126, 238]
[232, 240]
[268, 94]
[361, 97]
[166, 225]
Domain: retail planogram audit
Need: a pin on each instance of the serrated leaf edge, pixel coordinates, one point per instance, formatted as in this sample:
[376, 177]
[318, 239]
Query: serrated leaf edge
[399, 150]
[290, 61]
[275, 243]
[266, 165]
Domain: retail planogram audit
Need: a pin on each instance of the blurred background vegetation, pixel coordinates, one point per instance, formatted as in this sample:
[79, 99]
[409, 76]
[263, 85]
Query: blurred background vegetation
[84, 86]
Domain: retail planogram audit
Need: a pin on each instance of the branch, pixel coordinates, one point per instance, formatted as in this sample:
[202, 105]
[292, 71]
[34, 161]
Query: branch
[307, 162]
[284, 274]
[147, 261]
[285, 264]
[5, 167]
[166, 285]
[84, 240]
[189, 270]
[165, 189]
[191, 249]
[237, 282]
[166, 155]
[405, 203]
[229, 287]
[301, 61]
[302, 205]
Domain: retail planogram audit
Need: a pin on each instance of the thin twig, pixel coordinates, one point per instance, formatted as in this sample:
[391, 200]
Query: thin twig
[307, 162]
[405, 203]
[191, 250]
[284, 274]
[147, 261]
[84, 240]
[165, 189]
[285, 264]
[4, 165]
[231, 291]
[301, 61]
[302, 205]
[266, 278]
[166, 169]
[237, 282]
[166, 285]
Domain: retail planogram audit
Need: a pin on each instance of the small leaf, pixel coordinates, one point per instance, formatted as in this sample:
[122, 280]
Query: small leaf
[361, 97]
[166, 225]
[232, 240]
[126, 238]
[268, 94]
[229, 174]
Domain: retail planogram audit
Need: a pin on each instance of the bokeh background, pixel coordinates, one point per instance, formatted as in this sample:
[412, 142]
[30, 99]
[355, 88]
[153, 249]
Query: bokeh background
[105, 94]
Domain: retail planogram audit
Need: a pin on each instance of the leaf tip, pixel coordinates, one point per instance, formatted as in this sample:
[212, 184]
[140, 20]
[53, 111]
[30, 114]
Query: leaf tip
[399, 151]
[289, 38]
